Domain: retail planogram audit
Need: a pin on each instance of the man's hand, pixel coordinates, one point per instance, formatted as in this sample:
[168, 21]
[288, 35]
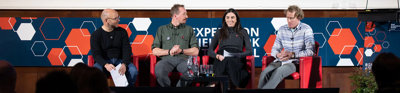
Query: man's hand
[291, 54]
[122, 70]
[281, 55]
[220, 57]
[109, 67]
[175, 50]
[284, 55]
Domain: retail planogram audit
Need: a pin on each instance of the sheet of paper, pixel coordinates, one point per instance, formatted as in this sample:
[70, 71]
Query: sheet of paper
[289, 61]
[119, 80]
[227, 54]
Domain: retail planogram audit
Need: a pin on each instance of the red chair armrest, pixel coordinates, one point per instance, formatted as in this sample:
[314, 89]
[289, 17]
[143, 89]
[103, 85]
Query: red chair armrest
[153, 60]
[251, 69]
[250, 63]
[266, 60]
[90, 61]
[308, 65]
[295, 75]
[205, 59]
[135, 61]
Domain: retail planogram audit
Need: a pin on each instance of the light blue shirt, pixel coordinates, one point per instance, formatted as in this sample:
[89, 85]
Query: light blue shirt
[300, 40]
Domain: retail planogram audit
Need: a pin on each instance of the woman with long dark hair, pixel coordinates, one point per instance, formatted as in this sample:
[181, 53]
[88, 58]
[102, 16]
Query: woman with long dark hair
[231, 39]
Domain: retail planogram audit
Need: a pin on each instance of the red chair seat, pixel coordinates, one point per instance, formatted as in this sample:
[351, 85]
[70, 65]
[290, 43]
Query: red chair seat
[310, 70]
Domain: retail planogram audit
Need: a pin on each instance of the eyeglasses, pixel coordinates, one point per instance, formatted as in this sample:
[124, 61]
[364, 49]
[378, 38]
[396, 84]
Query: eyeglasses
[291, 18]
[116, 18]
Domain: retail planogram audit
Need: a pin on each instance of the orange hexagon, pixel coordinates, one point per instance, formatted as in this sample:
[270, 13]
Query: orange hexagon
[378, 48]
[127, 29]
[338, 42]
[53, 28]
[368, 41]
[144, 48]
[55, 58]
[369, 27]
[268, 45]
[359, 56]
[6, 23]
[77, 38]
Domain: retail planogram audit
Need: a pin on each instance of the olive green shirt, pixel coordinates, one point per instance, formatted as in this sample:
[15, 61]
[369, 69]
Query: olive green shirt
[167, 36]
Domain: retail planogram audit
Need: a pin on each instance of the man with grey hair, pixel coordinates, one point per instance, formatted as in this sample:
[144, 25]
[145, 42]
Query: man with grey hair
[174, 42]
[110, 46]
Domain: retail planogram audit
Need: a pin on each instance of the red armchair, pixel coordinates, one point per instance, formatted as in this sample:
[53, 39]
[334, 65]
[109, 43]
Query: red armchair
[249, 66]
[309, 70]
[135, 61]
[173, 75]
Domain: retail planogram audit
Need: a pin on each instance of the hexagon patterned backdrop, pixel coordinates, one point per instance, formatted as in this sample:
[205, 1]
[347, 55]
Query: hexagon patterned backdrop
[54, 41]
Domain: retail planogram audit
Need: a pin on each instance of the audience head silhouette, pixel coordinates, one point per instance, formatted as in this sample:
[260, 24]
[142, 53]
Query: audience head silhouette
[56, 82]
[89, 79]
[382, 66]
[8, 77]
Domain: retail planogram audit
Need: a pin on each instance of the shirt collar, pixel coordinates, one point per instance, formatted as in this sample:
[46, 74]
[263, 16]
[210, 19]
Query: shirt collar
[178, 27]
[295, 29]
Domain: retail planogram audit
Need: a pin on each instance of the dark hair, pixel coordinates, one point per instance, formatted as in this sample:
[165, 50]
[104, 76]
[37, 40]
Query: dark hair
[56, 82]
[224, 30]
[89, 79]
[383, 64]
[175, 9]
[93, 81]
[77, 71]
[8, 77]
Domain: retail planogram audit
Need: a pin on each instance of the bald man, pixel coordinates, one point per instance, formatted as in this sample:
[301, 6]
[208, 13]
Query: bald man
[110, 47]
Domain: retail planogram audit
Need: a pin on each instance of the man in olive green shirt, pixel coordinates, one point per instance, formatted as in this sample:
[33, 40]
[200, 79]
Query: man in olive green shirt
[174, 42]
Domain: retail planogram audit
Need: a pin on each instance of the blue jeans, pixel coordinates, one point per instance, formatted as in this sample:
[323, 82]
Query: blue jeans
[130, 73]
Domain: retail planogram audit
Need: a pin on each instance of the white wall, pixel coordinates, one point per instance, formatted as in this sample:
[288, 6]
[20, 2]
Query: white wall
[195, 4]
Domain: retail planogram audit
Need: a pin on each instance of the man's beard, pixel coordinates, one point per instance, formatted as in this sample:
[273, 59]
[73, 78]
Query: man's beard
[113, 26]
[183, 21]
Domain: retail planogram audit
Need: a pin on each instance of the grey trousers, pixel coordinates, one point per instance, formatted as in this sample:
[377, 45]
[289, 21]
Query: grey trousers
[273, 74]
[167, 65]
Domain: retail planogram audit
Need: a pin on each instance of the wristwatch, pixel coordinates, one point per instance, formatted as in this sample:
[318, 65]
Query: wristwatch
[293, 56]
[182, 51]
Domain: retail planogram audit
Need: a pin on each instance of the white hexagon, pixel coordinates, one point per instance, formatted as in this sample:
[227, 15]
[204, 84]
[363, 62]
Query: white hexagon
[73, 62]
[39, 54]
[26, 31]
[345, 62]
[91, 22]
[352, 46]
[59, 56]
[385, 44]
[369, 52]
[373, 32]
[326, 28]
[9, 22]
[141, 24]
[323, 44]
[277, 22]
